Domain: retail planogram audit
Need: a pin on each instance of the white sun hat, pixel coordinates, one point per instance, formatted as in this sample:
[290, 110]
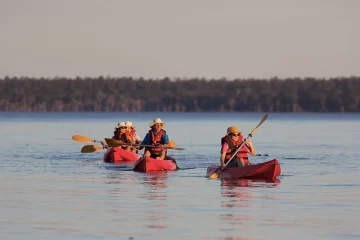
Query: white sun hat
[129, 124]
[156, 121]
[120, 124]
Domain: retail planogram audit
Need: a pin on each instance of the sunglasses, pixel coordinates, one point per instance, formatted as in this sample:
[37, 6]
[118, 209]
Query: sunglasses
[123, 127]
[235, 134]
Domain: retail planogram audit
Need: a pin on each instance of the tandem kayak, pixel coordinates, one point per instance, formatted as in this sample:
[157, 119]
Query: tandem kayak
[118, 155]
[148, 164]
[266, 170]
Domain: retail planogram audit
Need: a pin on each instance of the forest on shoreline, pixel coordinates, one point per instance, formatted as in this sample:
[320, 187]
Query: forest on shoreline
[126, 94]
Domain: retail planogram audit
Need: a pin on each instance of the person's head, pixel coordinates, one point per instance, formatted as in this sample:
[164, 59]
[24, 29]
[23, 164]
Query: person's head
[157, 124]
[233, 132]
[120, 127]
[129, 125]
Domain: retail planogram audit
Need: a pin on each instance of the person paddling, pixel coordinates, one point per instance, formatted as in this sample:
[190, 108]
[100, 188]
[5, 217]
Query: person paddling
[120, 129]
[130, 137]
[229, 144]
[157, 137]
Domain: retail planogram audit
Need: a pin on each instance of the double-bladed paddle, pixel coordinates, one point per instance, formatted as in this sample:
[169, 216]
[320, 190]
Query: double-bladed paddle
[220, 169]
[87, 148]
[116, 143]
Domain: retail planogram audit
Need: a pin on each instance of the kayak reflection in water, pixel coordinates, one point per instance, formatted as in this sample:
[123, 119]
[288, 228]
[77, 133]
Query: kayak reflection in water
[157, 137]
[230, 143]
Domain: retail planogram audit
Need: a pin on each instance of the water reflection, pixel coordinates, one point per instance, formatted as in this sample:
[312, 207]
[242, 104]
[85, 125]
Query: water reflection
[123, 184]
[235, 197]
[156, 194]
[250, 183]
[238, 204]
[156, 186]
[145, 192]
[236, 193]
[156, 180]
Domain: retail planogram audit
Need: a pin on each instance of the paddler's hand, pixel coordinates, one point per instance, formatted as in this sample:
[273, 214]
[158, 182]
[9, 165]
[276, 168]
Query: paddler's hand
[248, 142]
[104, 144]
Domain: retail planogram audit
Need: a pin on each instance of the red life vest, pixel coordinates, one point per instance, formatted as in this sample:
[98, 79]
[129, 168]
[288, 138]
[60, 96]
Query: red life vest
[132, 134]
[124, 138]
[233, 146]
[155, 139]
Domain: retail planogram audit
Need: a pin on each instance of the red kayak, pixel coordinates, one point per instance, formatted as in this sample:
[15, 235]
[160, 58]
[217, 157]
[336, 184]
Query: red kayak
[148, 164]
[118, 155]
[266, 170]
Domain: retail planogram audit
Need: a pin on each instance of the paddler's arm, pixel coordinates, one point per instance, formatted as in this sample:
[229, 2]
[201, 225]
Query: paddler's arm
[104, 144]
[224, 148]
[222, 159]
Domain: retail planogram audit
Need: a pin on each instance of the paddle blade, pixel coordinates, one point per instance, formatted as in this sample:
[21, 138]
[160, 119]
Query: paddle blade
[172, 145]
[113, 143]
[90, 148]
[80, 138]
[261, 122]
[177, 148]
[216, 173]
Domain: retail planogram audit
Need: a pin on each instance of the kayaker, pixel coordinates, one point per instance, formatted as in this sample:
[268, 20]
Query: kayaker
[157, 137]
[230, 143]
[120, 129]
[131, 137]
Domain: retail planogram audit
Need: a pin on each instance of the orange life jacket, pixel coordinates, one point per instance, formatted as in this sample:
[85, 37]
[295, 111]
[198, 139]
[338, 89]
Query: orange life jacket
[155, 139]
[233, 146]
[132, 134]
[124, 138]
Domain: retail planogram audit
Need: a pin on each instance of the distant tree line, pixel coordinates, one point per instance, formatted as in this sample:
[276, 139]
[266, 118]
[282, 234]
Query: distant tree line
[181, 95]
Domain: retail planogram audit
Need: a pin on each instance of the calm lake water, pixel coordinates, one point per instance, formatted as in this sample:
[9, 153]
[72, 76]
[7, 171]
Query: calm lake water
[49, 190]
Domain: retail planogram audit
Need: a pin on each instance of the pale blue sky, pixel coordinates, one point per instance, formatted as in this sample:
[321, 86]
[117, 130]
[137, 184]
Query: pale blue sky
[183, 38]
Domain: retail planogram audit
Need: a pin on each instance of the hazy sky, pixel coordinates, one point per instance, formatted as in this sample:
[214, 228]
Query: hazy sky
[182, 38]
